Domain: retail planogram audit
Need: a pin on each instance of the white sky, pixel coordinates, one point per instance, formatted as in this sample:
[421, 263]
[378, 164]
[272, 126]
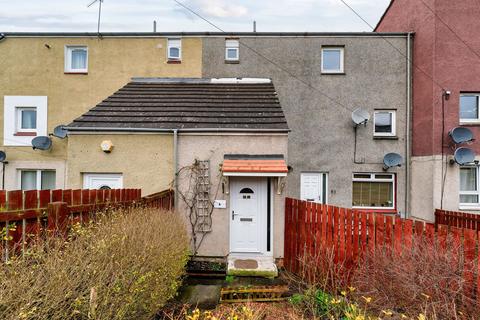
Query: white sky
[230, 15]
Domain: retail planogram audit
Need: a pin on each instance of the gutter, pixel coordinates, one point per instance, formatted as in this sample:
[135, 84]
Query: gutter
[103, 129]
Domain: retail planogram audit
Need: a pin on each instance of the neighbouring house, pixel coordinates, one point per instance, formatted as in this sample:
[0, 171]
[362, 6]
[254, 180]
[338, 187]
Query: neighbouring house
[446, 95]
[48, 79]
[320, 79]
[228, 141]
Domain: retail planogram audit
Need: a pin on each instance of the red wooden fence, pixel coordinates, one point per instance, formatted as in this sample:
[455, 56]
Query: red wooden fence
[27, 215]
[311, 228]
[457, 219]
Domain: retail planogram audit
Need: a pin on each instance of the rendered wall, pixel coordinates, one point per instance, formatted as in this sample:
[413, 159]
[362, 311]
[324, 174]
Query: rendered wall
[145, 160]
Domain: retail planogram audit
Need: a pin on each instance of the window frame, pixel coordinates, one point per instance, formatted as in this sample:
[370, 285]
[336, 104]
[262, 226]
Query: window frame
[68, 59]
[469, 121]
[470, 206]
[38, 180]
[19, 118]
[235, 46]
[323, 185]
[342, 60]
[170, 45]
[374, 179]
[393, 133]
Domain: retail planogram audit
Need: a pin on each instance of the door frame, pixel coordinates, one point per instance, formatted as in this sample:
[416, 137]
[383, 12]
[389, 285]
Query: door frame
[268, 197]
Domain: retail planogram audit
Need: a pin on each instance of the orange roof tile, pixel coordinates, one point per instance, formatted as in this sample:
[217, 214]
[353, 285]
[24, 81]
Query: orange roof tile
[255, 166]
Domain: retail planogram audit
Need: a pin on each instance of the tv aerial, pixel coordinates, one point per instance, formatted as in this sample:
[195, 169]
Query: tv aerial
[99, 12]
[463, 156]
[360, 116]
[461, 135]
[42, 143]
[60, 132]
[391, 160]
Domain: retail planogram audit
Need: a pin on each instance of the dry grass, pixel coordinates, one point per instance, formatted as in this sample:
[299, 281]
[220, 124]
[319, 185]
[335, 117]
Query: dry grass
[124, 266]
[426, 280]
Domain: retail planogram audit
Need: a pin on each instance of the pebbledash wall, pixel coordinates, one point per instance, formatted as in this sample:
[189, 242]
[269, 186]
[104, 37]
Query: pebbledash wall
[322, 136]
[446, 56]
[33, 64]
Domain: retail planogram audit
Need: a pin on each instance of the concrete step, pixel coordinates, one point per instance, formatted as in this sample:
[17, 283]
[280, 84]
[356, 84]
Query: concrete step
[251, 266]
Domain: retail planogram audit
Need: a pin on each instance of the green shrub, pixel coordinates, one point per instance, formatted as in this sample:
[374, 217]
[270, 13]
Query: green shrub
[126, 265]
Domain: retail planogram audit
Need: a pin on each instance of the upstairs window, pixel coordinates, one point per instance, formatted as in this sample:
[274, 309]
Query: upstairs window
[232, 51]
[469, 187]
[469, 104]
[76, 59]
[373, 191]
[332, 59]
[384, 123]
[26, 120]
[174, 49]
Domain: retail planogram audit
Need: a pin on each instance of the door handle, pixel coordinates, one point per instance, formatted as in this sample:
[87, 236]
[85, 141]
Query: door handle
[234, 214]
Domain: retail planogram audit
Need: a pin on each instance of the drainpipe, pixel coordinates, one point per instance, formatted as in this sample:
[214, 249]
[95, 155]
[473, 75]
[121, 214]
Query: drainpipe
[407, 127]
[175, 166]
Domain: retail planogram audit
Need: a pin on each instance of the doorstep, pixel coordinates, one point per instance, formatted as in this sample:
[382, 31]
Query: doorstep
[244, 265]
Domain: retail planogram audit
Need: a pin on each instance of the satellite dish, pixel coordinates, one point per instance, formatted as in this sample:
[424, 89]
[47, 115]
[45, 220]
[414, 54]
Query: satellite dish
[42, 143]
[3, 156]
[464, 156]
[461, 135]
[60, 132]
[360, 116]
[392, 160]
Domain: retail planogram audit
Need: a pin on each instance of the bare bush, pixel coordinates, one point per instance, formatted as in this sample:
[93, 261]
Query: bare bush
[425, 280]
[124, 266]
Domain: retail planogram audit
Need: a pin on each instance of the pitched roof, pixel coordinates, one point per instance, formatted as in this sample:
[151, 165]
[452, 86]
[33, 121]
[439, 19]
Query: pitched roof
[152, 104]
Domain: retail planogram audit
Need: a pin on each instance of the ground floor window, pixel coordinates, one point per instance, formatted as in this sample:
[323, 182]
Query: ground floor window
[37, 179]
[313, 186]
[469, 186]
[373, 190]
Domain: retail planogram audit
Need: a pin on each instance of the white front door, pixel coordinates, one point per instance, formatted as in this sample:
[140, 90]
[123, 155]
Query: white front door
[313, 186]
[248, 231]
[102, 181]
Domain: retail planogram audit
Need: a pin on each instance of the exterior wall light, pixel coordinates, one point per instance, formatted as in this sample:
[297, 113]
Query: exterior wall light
[107, 146]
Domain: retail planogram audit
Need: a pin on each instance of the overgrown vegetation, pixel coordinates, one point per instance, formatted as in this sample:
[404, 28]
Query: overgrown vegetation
[126, 265]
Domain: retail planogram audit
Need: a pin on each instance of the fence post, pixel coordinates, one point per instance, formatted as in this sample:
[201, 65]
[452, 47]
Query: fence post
[57, 215]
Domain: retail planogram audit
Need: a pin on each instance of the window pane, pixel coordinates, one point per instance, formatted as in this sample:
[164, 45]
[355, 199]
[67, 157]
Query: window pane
[383, 122]
[468, 107]
[372, 194]
[29, 119]
[468, 179]
[28, 180]
[48, 180]
[232, 54]
[174, 53]
[471, 198]
[331, 59]
[79, 59]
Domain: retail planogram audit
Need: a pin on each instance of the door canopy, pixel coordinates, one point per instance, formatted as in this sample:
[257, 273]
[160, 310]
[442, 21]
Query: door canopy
[254, 166]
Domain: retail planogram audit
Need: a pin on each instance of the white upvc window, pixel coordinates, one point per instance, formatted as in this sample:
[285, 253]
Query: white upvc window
[32, 179]
[469, 110]
[384, 123]
[174, 49]
[232, 50]
[76, 59]
[24, 118]
[373, 191]
[314, 187]
[333, 59]
[469, 187]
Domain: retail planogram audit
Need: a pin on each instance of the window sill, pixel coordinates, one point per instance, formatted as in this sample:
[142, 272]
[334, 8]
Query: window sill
[376, 210]
[333, 73]
[385, 137]
[470, 123]
[469, 208]
[172, 61]
[232, 61]
[25, 134]
[76, 72]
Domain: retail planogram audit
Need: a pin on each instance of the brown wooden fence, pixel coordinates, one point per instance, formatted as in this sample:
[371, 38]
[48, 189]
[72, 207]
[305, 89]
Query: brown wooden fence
[311, 228]
[29, 215]
[457, 219]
